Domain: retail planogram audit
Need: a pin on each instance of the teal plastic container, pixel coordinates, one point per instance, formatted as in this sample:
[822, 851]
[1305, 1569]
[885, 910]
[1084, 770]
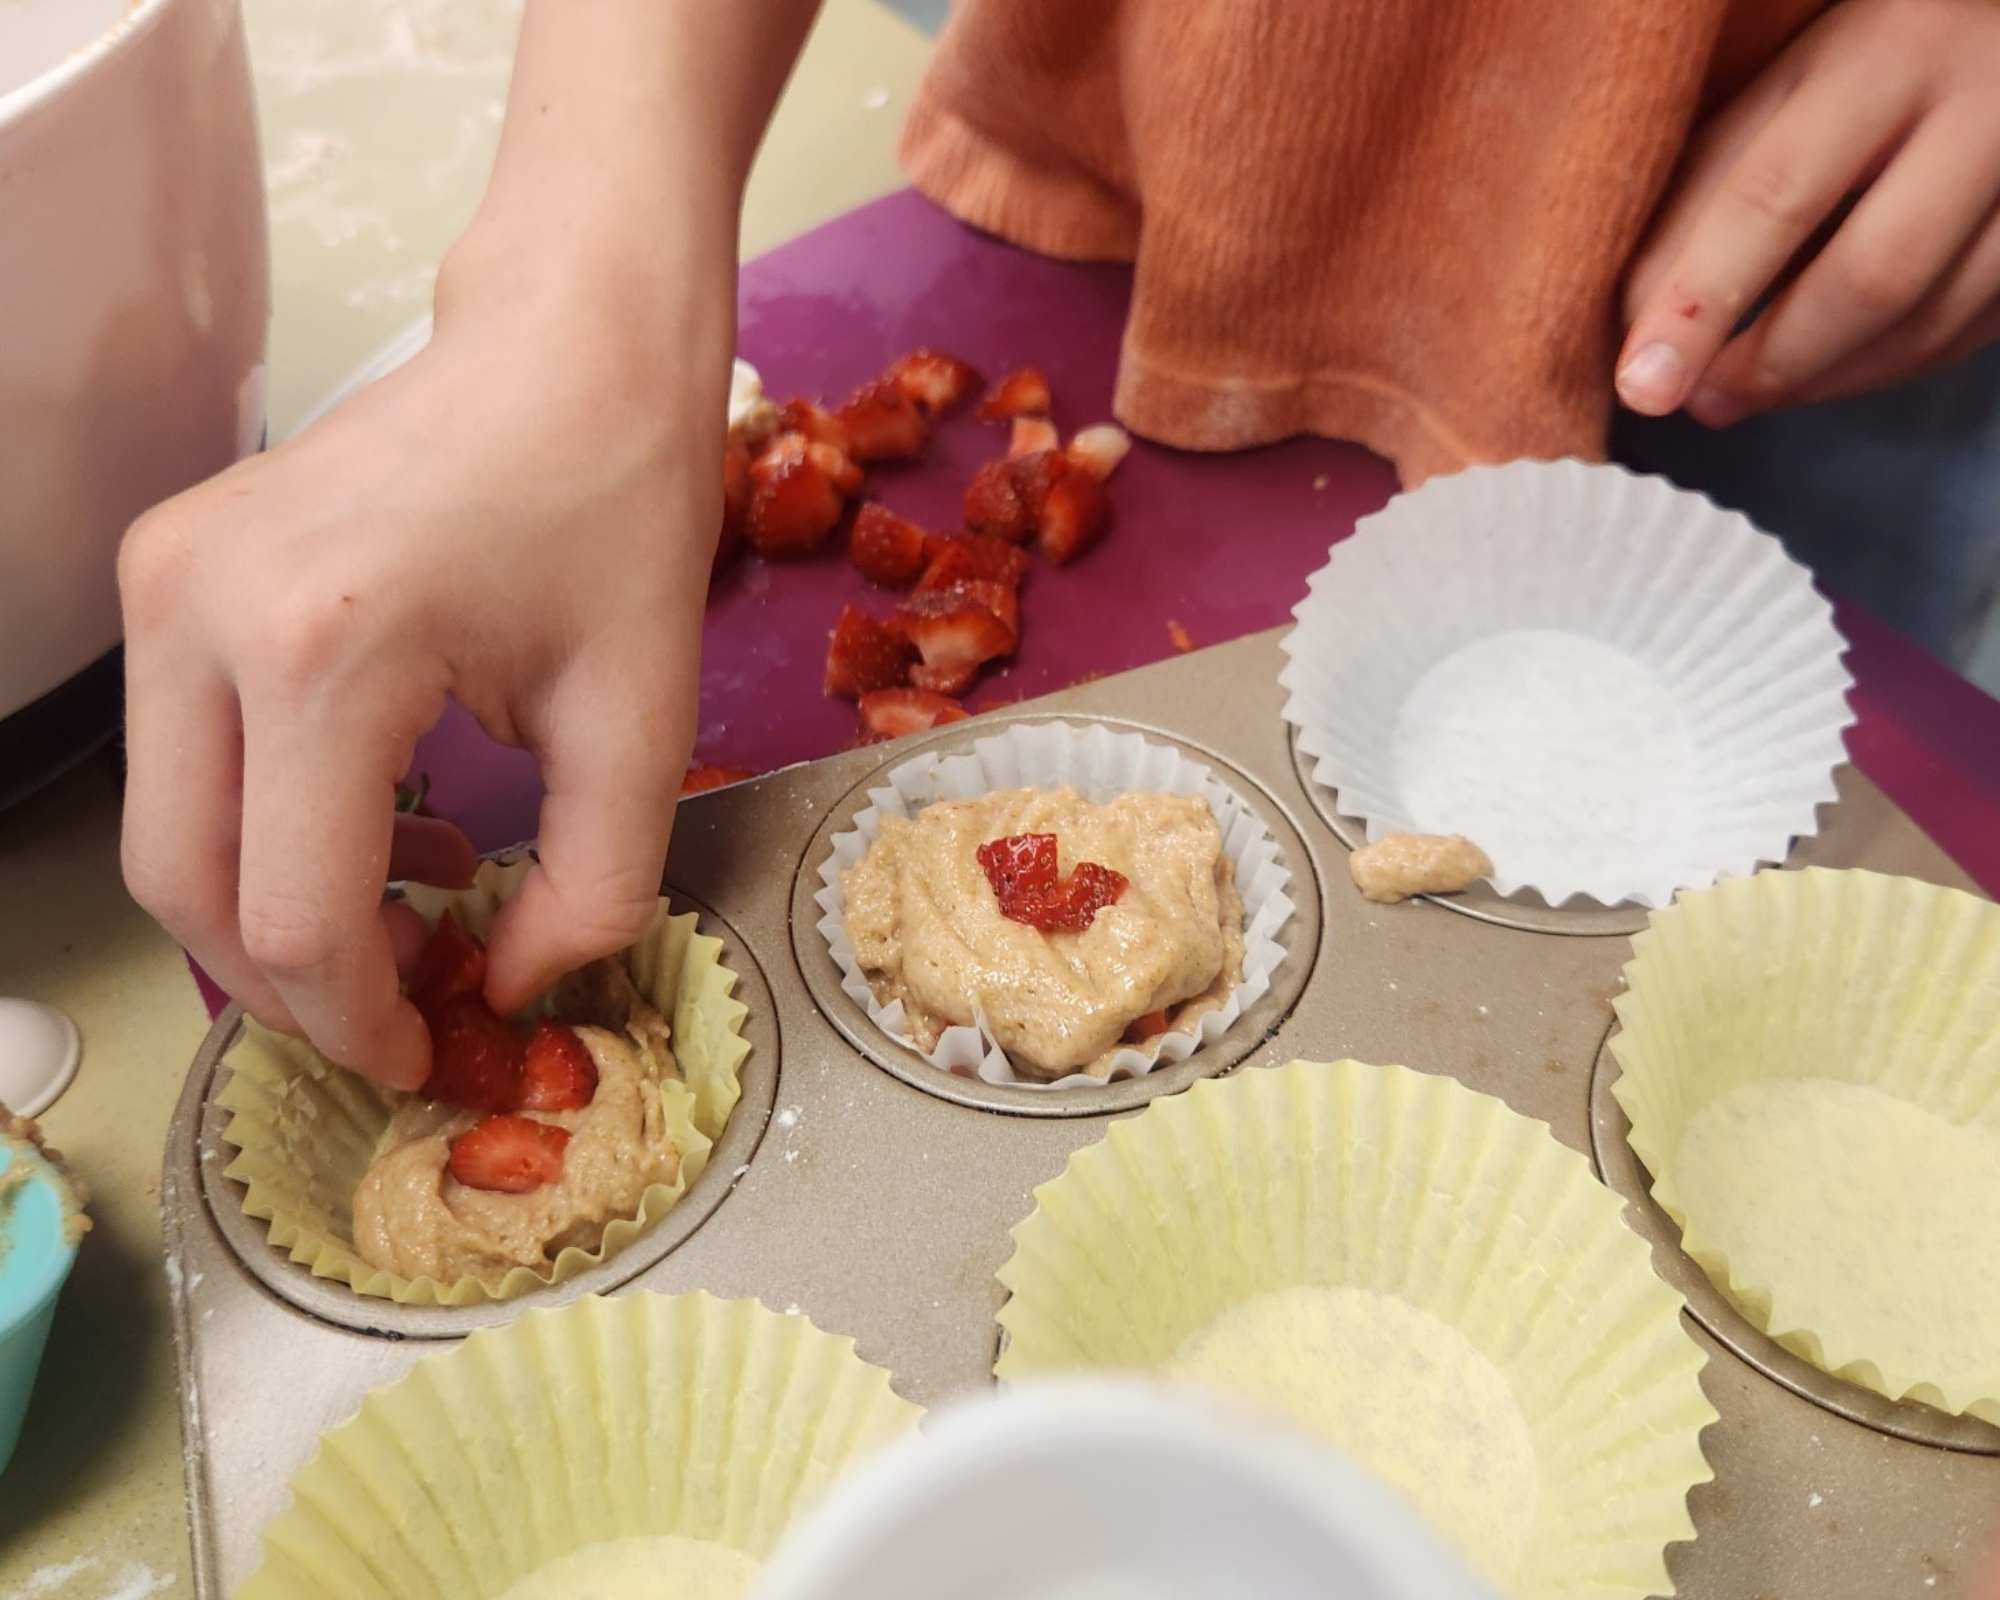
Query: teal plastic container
[35, 1258]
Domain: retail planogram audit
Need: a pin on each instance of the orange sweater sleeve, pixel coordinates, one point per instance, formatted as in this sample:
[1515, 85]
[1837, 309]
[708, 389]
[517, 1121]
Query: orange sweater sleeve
[1399, 224]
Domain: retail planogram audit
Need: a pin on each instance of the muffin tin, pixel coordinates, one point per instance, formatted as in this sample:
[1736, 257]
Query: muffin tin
[856, 1186]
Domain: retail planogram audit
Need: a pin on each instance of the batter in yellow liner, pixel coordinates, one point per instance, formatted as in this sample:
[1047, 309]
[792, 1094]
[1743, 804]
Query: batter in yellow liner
[307, 1132]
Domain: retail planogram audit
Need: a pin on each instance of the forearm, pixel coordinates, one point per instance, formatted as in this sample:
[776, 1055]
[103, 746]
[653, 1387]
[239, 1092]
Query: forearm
[629, 133]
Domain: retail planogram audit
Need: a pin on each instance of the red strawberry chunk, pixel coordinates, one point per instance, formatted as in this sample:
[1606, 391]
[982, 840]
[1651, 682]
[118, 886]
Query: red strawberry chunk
[865, 655]
[476, 1056]
[1019, 394]
[1099, 449]
[451, 966]
[701, 777]
[510, 1155]
[1020, 863]
[814, 421]
[560, 1074]
[842, 473]
[1150, 1026]
[1022, 869]
[884, 548]
[892, 713]
[994, 504]
[1032, 435]
[882, 423]
[954, 557]
[1072, 518]
[960, 626]
[953, 680]
[1037, 476]
[795, 505]
[935, 382]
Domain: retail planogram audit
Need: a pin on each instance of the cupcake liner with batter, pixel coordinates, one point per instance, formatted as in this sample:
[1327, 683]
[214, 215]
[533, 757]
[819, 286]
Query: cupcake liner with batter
[641, 1417]
[1408, 1267]
[1612, 686]
[1811, 1067]
[306, 1131]
[1102, 764]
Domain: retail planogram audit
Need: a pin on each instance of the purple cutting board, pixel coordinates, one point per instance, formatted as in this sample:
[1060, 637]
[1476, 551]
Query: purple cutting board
[1220, 544]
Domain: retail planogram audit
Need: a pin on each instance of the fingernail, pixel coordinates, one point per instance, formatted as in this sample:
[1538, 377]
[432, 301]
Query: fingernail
[1653, 379]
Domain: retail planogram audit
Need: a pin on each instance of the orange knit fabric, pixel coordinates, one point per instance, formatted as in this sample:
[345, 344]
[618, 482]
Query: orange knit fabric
[1403, 224]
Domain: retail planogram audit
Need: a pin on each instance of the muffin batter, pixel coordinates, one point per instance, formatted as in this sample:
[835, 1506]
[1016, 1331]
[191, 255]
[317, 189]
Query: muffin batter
[412, 1218]
[927, 928]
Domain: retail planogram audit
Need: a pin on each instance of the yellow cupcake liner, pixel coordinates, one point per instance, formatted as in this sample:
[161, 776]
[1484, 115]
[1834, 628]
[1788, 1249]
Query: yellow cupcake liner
[1450, 1227]
[640, 1416]
[1811, 1068]
[306, 1131]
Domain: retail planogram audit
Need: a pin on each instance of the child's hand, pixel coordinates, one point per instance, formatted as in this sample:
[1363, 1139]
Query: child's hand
[522, 519]
[1893, 104]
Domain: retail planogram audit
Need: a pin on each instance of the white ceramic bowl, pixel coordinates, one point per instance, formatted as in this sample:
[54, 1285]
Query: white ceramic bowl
[134, 299]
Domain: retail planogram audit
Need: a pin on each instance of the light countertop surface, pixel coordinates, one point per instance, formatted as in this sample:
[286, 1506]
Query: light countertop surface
[379, 120]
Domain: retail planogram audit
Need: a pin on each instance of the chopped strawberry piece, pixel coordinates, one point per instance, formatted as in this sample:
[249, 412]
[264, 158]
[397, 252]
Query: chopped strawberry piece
[1032, 435]
[476, 1056]
[1022, 869]
[1150, 1026]
[882, 423]
[842, 473]
[1019, 394]
[451, 966]
[1098, 450]
[994, 504]
[1179, 637]
[955, 557]
[1036, 477]
[737, 489]
[884, 548]
[953, 680]
[560, 1074]
[962, 626]
[935, 382]
[1020, 863]
[702, 777]
[865, 655]
[1073, 517]
[510, 1155]
[814, 421]
[796, 504]
[892, 713]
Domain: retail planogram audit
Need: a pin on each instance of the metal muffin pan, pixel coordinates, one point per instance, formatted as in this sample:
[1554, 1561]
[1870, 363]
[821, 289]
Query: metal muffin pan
[882, 1208]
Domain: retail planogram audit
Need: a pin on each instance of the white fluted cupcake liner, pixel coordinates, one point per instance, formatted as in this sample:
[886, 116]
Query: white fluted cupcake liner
[642, 1418]
[1102, 764]
[1811, 1066]
[1412, 1270]
[1612, 686]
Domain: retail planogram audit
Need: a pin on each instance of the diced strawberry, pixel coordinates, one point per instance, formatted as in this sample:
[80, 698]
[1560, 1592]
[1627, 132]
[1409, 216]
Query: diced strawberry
[559, 1074]
[1073, 517]
[892, 713]
[1179, 637]
[451, 966]
[701, 777]
[882, 423]
[1019, 394]
[994, 505]
[737, 489]
[954, 557]
[1031, 435]
[961, 626]
[795, 505]
[884, 548]
[1019, 863]
[842, 473]
[1150, 1026]
[476, 1056]
[509, 1155]
[1036, 477]
[865, 655]
[1098, 450]
[952, 680]
[936, 382]
[814, 421]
